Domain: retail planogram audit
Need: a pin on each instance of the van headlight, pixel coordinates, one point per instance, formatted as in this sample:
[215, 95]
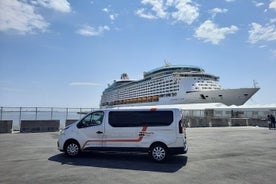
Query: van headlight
[63, 130]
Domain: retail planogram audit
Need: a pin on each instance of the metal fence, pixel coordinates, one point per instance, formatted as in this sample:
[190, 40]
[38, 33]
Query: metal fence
[228, 113]
[41, 113]
[16, 114]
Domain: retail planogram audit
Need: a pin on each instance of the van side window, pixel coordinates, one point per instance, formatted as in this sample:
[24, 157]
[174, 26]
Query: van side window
[140, 118]
[92, 119]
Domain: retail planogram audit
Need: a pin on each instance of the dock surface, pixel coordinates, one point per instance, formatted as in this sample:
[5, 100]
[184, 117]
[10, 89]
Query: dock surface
[216, 155]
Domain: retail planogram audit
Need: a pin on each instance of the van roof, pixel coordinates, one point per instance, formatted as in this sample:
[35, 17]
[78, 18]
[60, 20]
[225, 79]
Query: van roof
[140, 109]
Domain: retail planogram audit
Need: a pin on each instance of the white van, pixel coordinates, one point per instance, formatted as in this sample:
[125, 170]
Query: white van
[158, 131]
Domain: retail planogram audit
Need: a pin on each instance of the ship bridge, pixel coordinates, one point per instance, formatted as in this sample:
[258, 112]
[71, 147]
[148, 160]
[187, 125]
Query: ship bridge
[173, 68]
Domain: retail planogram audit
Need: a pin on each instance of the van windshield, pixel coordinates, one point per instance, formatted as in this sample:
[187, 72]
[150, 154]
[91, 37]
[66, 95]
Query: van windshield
[92, 119]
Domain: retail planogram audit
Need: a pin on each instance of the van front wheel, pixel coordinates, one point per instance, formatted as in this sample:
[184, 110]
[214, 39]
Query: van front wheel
[158, 152]
[72, 149]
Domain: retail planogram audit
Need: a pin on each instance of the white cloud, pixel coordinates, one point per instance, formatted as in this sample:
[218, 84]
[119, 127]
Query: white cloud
[210, 32]
[20, 17]
[157, 7]
[141, 13]
[218, 10]
[91, 31]
[261, 33]
[258, 4]
[229, 1]
[272, 20]
[105, 10]
[272, 5]
[169, 2]
[58, 5]
[274, 53]
[187, 12]
[179, 10]
[83, 84]
[113, 16]
[215, 11]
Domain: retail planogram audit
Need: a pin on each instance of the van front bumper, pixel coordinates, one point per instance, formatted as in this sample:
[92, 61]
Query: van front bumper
[59, 148]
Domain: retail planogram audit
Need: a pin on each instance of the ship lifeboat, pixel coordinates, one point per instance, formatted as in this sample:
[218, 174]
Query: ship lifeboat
[155, 98]
[149, 99]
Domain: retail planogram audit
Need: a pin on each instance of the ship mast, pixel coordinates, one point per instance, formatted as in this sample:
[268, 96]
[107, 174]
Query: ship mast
[167, 63]
[255, 84]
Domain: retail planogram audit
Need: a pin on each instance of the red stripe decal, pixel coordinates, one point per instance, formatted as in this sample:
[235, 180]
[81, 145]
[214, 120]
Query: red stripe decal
[118, 140]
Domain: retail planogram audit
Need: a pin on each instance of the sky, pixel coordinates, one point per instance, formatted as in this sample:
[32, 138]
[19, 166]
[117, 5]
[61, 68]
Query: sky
[64, 53]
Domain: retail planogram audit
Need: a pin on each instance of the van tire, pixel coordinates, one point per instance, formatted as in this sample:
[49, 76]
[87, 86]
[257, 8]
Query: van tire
[72, 148]
[158, 152]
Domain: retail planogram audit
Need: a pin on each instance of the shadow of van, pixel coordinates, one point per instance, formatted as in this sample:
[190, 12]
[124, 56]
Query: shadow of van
[131, 161]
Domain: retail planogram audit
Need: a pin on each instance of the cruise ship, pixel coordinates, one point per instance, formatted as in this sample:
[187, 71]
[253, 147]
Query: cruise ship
[172, 84]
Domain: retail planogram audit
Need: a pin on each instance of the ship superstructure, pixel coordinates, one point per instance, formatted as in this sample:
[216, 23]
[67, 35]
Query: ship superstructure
[173, 85]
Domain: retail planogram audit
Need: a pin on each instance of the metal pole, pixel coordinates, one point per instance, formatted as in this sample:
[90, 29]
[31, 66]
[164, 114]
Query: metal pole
[1, 113]
[52, 113]
[36, 113]
[66, 113]
[80, 112]
[20, 109]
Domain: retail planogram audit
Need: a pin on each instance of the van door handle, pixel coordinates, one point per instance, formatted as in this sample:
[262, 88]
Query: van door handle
[99, 132]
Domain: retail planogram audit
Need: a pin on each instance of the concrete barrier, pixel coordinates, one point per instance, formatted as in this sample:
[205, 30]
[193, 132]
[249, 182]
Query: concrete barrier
[6, 126]
[39, 126]
[222, 122]
[219, 122]
[70, 121]
[198, 122]
[239, 121]
[257, 122]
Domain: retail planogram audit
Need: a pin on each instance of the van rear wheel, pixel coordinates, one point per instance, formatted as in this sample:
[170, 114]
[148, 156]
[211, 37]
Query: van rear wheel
[72, 149]
[158, 152]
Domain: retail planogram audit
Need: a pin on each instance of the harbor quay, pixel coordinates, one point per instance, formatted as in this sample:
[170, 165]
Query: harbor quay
[216, 155]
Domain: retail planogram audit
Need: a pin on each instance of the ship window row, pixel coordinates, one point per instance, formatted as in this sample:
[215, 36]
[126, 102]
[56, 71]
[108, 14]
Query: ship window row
[206, 84]
[156, 82]
[149, 86]
[200, 88]
[141, 94]
[168, 81]
[150, 89]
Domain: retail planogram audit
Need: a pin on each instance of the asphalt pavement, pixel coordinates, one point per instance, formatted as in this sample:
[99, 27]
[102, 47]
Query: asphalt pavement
[240, 155]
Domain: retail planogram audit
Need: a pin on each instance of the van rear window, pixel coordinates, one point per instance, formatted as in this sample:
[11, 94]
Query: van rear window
[140, 118]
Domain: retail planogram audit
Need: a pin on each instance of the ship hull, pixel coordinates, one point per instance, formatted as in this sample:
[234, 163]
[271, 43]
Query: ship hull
[225, 96]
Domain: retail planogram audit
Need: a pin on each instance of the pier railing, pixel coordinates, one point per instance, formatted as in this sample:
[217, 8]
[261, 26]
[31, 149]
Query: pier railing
[17, 114]
[193, 118]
